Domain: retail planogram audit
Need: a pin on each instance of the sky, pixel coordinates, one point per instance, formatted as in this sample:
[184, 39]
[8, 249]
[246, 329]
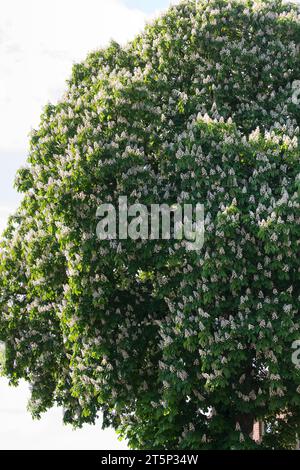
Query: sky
[39, 42]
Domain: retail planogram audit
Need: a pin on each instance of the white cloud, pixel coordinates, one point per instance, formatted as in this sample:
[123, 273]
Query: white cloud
[19, 432]
[39, 42]
[4, 213]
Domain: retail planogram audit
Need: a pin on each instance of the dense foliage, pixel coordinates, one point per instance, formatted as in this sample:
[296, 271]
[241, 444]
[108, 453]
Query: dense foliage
[178, 349]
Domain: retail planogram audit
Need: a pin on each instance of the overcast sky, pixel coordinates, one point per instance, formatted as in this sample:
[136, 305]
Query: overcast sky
[39, 42]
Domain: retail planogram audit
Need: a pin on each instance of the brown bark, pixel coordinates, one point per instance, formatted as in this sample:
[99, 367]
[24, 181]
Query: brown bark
[246, 422]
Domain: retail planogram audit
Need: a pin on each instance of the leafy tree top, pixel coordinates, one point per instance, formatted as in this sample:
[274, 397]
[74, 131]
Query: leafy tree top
[177, 349]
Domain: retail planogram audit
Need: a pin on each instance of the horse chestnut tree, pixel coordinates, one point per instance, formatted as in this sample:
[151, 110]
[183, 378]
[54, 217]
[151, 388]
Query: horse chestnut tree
[176, 349]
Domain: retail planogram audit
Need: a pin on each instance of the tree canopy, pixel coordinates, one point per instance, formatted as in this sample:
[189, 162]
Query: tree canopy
[177, 349]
